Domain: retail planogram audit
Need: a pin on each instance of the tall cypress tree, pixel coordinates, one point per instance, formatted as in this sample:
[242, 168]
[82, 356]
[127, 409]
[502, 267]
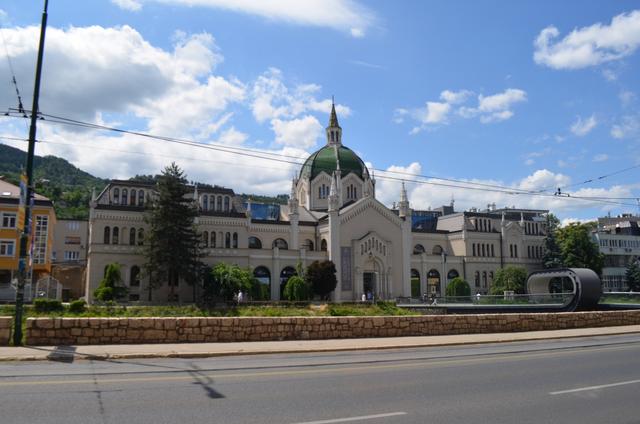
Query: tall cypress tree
[632, 275]
[171, 244]
[552, 254]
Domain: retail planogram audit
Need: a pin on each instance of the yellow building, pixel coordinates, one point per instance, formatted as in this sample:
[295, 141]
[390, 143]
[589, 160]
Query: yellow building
[43, 222]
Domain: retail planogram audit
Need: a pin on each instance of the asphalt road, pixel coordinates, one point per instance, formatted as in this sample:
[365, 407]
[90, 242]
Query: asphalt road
[588, 380]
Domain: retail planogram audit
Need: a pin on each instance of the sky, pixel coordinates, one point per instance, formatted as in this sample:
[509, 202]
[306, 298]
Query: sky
[478, 101]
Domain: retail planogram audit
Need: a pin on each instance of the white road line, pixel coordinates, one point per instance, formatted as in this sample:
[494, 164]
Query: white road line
[603, 386]
[360, 418]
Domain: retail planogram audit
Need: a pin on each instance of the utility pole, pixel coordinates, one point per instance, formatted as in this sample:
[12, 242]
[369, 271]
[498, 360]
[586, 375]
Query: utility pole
[26, 190]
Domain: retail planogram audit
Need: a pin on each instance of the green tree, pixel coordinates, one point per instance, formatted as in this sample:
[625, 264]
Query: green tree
[110, 288]
[511, 278]
[321, 276]
[632, 275]
[171, 245]
[552, 255]
[458, 287]
[230, 279]
[578, 248]
[297, 289]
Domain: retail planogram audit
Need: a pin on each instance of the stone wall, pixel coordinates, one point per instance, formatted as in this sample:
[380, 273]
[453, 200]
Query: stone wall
[81, 331]
[5, 330]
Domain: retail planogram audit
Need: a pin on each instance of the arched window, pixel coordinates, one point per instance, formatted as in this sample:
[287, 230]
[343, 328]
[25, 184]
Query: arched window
[452, 274]
[235, 240]
[323, 245]
[213, 239]
[125, 197]
[140, 198]
[483, 252]
[437, 250]
[134, 280]
[227, 240]
[255, 243]
[263, 275]
[140, 237]
[205, 202]
[226, 204]
[115, 236]
[219, 203]
[476, 278]
[132, 237]
[116, 196]
[433, 280]
[132, 201]
[418, 249]
[491, 276]
[205, 239]
[308, 245]
[107, 235]
[280, 244]
[415, 283]
[492, 251]
[484, 279]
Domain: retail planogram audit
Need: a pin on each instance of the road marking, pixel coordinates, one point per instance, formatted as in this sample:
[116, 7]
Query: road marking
[360, 418]
[602, 386]
[352, 369]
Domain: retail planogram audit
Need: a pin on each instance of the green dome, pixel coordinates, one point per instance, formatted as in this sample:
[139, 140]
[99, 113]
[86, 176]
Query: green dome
[325, 160]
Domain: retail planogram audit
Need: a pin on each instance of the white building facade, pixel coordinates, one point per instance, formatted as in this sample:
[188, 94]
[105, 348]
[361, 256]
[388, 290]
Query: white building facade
[332, 213]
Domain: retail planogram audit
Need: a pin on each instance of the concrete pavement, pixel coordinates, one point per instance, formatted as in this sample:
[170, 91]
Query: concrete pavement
[202, 350]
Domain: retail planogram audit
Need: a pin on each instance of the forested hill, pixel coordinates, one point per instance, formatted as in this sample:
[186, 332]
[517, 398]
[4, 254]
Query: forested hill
[67, 186]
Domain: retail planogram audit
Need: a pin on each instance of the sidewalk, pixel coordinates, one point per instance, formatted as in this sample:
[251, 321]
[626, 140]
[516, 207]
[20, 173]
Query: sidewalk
[202, 350]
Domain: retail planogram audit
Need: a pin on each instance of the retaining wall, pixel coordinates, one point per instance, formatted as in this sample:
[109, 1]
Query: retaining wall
[5, 330]
[82, 331]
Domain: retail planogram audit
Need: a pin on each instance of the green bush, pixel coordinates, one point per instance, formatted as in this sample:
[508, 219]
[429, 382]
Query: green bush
[43, 305]
[297, 289]
[77, 306]
[458, 287]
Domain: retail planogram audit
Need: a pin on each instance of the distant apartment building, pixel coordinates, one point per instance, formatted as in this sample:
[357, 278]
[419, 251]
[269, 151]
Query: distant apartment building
[41, 245]
[70, 256]
[619, 241]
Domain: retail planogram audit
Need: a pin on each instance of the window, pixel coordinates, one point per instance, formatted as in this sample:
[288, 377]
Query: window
[72, 240]
[418, 249]
[134, 280]
[116, 196]
[483, 252]
[70, 255]
[226, 204]
[115, 236]
[132, 202]
[473, 246]
[219, 203]
[227, 240]
[308, 245]
[140, 198]
[484, 279]
[213, 239]
[476, 278]
[7, 247]
[235, 240]
[40, 239]
[205, 239]
[125, 193]
[280, 244]
[255, 243]
[107, 235]
[492, 252]
[140, 236]
[323, 245]
[205, 202]
[8, 220]
[132, 237]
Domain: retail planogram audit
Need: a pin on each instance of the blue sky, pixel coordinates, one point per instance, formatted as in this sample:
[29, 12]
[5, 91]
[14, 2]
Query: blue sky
[525, 96]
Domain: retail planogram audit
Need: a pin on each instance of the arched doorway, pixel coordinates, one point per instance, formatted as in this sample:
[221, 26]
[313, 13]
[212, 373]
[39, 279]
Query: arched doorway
[285, 274]
[415, 283]
[452, 274]
[263, 276]
[433, 281]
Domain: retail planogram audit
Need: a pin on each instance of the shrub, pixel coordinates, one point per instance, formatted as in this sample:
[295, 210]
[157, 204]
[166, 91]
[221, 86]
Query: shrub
[44, 305]
[109, 288]
[458, 287]
[297, 289]
[321, 276]
[77, 306]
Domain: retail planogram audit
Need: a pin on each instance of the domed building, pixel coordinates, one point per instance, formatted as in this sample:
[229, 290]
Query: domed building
[332, 213]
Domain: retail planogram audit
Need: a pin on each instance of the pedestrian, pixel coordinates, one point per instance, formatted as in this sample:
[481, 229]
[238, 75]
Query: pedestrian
[364, 297]
[240, 296]
[478, 296]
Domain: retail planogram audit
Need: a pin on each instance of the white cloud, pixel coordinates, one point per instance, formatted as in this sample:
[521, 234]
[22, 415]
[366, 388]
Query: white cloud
[627, 97]
[232, 136]
[435, 113]
[566, 221]
[602, 157]
[589, 46]
[272, 99]
[133, 5]
[529, 162]
[609, 74]
[496, 107]
[583, 127]
[455, 97]
[342, 15]
[628, 127]
[302, 133]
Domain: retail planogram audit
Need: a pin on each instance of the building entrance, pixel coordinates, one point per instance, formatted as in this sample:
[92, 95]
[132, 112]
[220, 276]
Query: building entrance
[369, 284]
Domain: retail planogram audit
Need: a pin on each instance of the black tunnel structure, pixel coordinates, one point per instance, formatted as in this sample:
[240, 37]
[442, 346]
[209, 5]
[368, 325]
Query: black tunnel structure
[583, 283]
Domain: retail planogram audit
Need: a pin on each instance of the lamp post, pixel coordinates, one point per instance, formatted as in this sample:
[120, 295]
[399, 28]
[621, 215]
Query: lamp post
[26, 192]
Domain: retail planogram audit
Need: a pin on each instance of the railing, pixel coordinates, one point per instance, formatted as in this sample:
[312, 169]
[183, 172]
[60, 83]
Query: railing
[620, 297]
[504, 299]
